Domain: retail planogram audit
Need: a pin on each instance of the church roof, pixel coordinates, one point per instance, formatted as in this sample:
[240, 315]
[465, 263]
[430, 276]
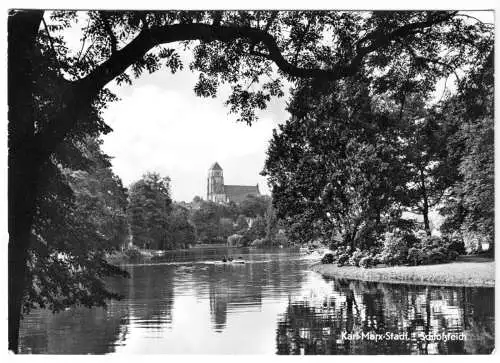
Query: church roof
[215, 166]
[238, 193]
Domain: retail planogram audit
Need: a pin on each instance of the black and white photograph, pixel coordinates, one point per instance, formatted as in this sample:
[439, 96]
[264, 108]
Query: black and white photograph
[218, 181]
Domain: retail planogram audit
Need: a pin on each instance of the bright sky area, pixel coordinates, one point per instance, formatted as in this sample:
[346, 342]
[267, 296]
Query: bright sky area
[160, 125]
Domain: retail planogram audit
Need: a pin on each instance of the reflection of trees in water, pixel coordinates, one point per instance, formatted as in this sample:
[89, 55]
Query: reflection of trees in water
[305, 329]
[148, 300]
[232, 288]
[219, 298]
[361, 307]
[480, 328]
[151, 296]
[76, 331]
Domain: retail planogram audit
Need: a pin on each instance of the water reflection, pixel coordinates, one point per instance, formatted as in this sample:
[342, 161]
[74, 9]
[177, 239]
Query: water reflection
[348, 319]
[190, 303]
[77, 331]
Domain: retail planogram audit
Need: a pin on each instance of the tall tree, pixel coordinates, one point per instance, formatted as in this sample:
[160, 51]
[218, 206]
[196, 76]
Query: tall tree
[253, 206]
[469, 206]
[180, 231]
[430, 168]
[206, 221]
[80, 218]
[334, 166]
[148, 210]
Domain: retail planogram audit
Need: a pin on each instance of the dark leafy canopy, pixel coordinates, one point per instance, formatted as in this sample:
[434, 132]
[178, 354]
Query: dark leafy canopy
[80, 206]
[213, 222]
[470, 115]
[335, 171]
[253, 206]
[240, 48]
[80, 217]
[430, 167]
[180, 231]
[206, 220]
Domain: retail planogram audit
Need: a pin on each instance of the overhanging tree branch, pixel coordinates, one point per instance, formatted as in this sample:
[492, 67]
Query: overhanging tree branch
[419, 58]
[149, 38]
[112, 38]
[80, 93]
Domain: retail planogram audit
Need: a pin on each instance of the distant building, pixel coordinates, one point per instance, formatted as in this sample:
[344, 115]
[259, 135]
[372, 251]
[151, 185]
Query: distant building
[219, 193]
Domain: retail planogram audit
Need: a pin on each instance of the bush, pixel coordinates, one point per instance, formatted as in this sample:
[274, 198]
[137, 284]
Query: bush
[343, 259]
[452, 255]
[417, 256]
[235, 240]
[421, 235]
[245, 240]
[366, 262]
[442, 250]
[281, 239]
[473, 242]
[414, 256]
[457, 245]
[356, 257]
[379, 258]
[428, 243]
[259, 242]
[436, 256]
[395, 247]
[133, 254]
[327, 259]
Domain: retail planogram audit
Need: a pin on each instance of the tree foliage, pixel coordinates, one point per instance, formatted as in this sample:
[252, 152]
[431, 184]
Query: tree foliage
[206, 220]
[469, 205]
[148, 211]
[80, 218]
[180, 231]
[254, 206]
[335, 167]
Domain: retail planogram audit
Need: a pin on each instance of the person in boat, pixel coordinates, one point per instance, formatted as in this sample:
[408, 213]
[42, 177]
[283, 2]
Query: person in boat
[239, 260]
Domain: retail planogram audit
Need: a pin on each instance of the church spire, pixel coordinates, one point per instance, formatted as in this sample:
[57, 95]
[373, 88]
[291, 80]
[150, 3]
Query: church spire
[215, 184]
[215, 166]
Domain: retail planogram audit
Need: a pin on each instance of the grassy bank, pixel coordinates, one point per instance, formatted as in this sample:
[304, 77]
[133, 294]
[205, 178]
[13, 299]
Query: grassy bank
[465, 272]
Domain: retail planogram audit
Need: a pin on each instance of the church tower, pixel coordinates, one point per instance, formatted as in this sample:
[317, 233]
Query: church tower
[215, 184]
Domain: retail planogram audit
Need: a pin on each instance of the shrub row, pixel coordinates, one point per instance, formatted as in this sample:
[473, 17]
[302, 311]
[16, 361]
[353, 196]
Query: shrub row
[398, 248]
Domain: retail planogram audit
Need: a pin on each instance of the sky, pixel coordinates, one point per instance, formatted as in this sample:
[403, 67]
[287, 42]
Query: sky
[160, 125]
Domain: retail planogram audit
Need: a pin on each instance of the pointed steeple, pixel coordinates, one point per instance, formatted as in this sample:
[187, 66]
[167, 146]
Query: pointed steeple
[215, 184]
[215, 166]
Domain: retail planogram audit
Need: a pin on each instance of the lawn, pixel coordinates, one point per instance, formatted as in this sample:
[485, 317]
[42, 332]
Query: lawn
[467, 271]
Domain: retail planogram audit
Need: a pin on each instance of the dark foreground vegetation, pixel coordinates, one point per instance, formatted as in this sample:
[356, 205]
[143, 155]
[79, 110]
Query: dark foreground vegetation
[358, 158]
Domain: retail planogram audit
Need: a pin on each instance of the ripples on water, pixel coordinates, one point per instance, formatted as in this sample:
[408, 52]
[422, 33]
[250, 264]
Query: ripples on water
[191, 303]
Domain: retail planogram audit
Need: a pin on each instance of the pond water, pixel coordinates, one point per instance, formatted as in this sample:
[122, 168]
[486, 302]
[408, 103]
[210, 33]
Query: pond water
[272, 304]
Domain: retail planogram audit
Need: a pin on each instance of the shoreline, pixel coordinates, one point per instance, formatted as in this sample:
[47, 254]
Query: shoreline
[458, 273]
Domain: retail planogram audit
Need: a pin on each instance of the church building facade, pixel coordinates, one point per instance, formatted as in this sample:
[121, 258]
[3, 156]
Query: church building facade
[218, 192]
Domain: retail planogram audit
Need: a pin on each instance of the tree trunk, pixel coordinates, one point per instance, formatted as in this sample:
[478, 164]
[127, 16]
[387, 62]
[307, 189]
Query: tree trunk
[425, 208]
[18, 254]
[23, 160]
